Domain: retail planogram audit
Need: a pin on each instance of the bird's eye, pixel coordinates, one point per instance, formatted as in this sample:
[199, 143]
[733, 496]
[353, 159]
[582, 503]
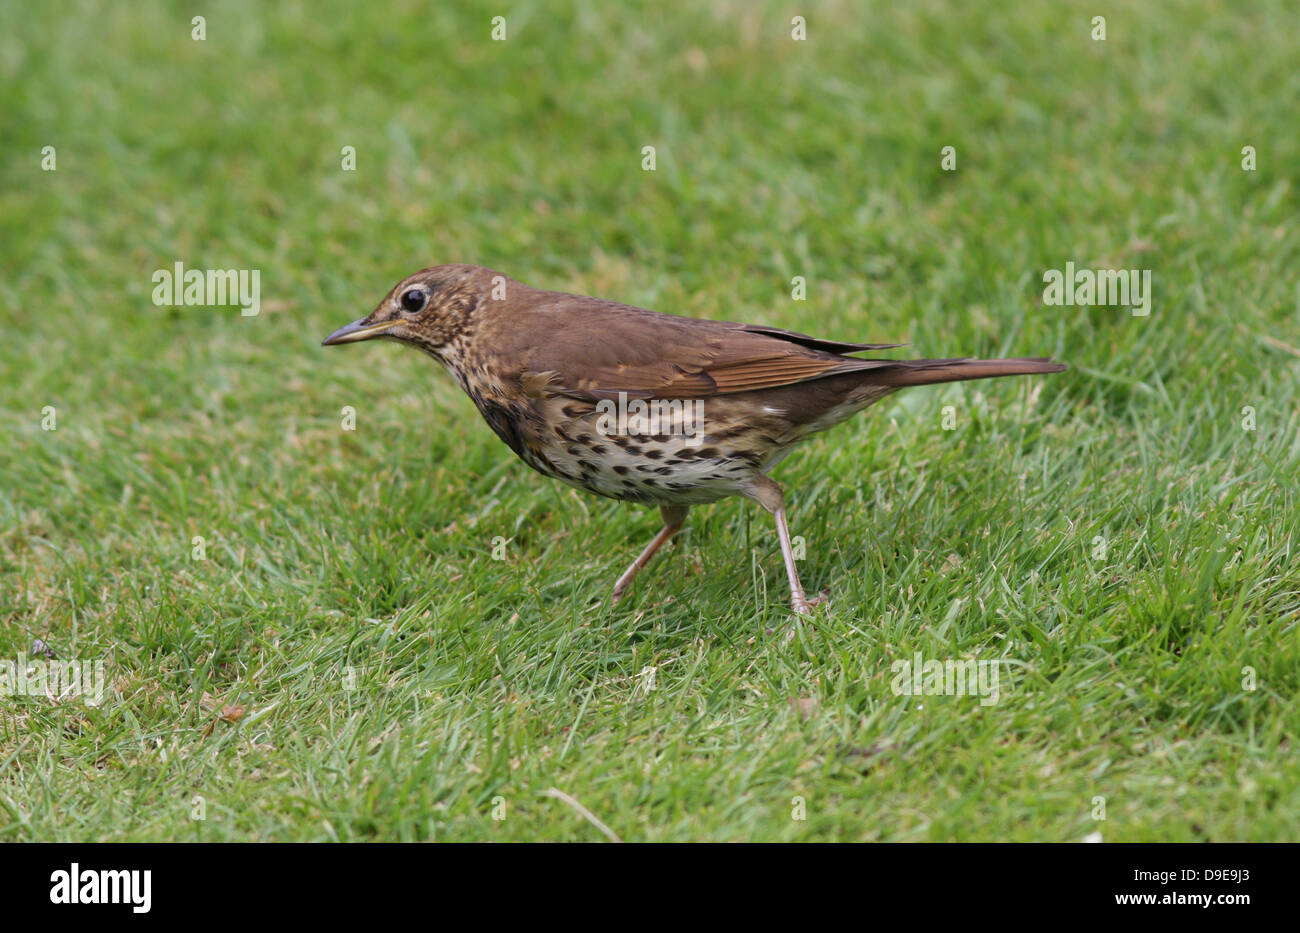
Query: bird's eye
[414, 299]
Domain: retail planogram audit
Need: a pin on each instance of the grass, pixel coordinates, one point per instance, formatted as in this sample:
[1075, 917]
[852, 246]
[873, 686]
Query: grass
[350, 662]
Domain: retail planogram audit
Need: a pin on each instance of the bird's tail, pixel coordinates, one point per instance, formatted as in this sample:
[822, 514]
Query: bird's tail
[925, 372]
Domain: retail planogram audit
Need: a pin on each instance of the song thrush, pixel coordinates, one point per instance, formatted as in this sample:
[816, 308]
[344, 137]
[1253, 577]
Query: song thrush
[637, 405]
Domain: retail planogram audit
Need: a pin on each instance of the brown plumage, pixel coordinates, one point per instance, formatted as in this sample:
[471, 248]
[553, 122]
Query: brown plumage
[550, 373]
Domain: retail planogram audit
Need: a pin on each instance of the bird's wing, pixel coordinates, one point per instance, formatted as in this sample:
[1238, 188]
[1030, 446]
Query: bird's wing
[814, 343]
[645, 354]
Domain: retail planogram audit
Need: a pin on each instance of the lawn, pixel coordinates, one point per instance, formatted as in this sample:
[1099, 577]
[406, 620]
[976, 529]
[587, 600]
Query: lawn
[400, 632]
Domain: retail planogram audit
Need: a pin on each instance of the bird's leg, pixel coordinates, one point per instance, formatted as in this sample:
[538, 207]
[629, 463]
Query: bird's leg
[674, 517]
[768, 494]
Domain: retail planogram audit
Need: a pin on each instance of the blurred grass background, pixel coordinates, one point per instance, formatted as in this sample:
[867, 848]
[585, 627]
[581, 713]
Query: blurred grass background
[385, 678]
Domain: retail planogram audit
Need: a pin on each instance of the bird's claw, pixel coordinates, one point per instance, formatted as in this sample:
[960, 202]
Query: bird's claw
[805, 606]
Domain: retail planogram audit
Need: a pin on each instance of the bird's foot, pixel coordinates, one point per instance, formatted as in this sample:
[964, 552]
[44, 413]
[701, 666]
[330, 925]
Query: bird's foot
[805, 606]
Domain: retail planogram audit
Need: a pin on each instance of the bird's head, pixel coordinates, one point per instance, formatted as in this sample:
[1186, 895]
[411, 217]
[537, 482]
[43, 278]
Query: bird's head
[427, 309]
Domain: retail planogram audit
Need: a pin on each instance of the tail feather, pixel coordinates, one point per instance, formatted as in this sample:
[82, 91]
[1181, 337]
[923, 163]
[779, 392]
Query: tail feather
[927, 372]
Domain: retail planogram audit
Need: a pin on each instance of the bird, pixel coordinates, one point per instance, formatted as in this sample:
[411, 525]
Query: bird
[644, 406]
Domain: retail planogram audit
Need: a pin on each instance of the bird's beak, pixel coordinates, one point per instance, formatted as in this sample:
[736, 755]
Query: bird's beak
[357, 330]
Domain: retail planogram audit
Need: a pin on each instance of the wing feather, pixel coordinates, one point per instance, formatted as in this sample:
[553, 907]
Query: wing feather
[592, 349]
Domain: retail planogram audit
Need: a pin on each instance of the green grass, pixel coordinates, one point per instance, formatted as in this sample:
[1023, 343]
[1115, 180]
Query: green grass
[395, 679]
